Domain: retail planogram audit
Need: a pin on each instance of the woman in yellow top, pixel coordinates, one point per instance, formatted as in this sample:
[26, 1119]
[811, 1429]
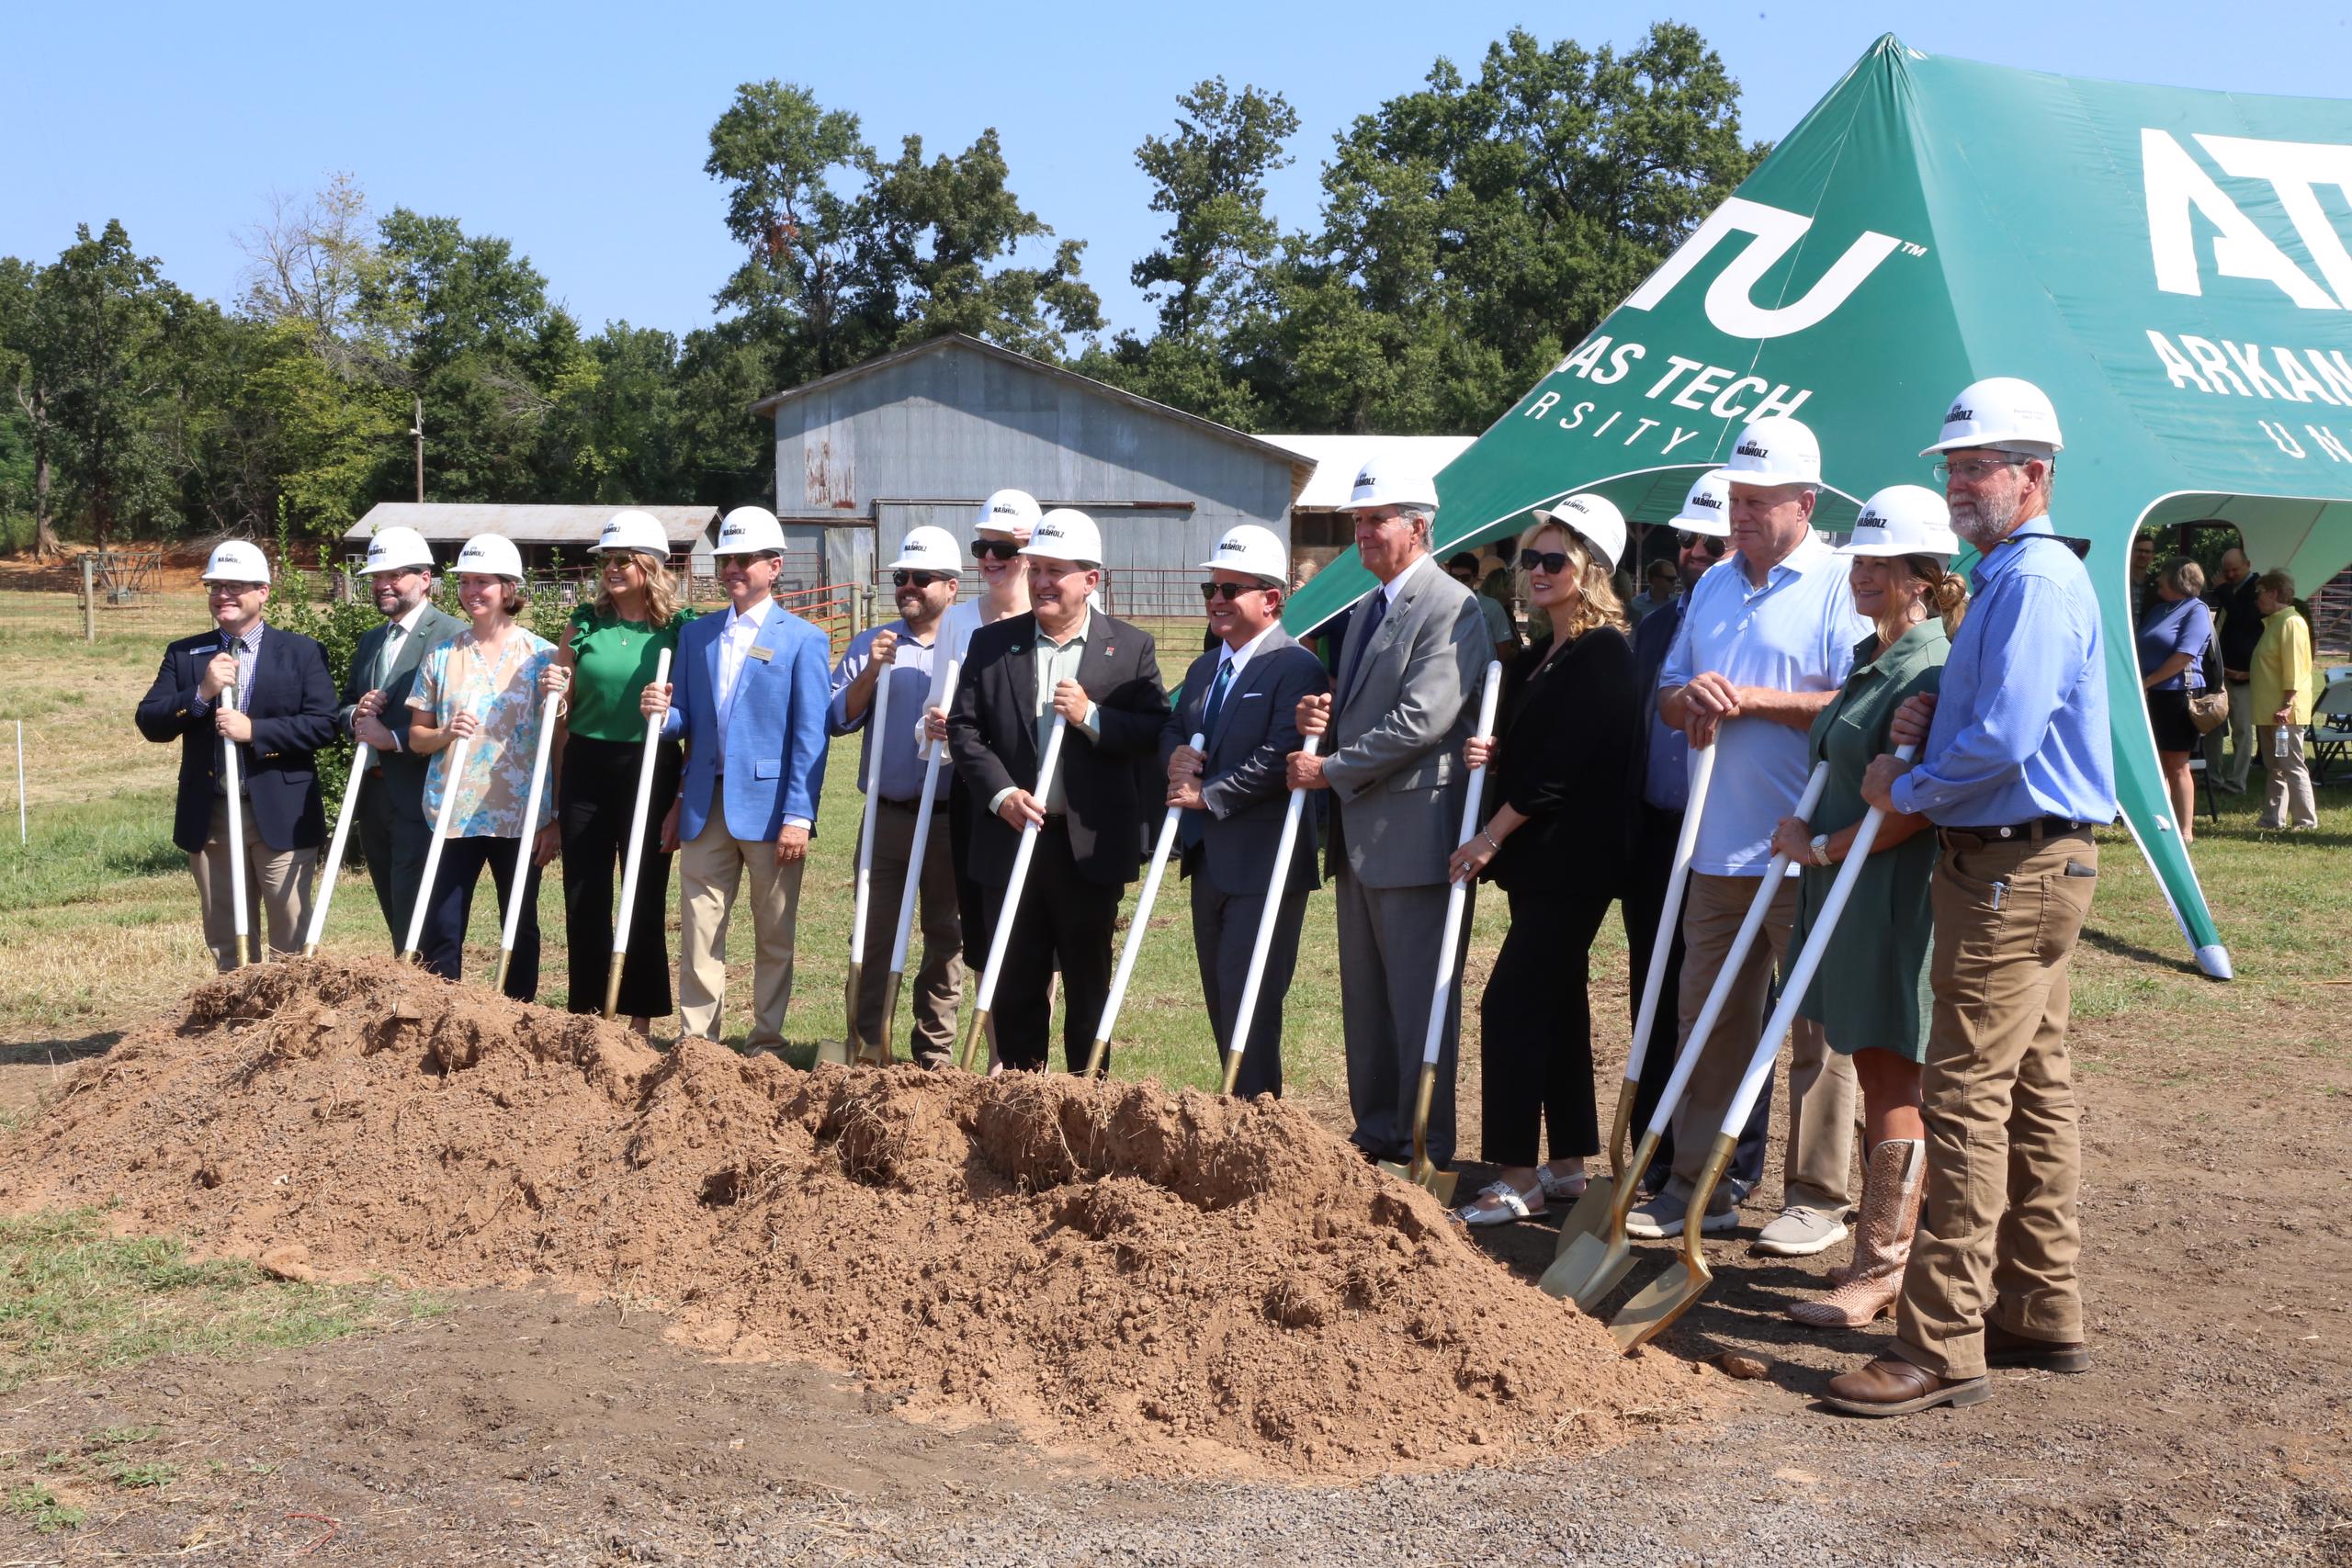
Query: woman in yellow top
[2280, 693]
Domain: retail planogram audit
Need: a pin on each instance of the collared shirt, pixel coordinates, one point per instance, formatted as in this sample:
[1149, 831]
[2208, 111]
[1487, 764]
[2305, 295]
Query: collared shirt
[2021, 730]
[397, 631]
[502, 694]
[909, 677]
[1794, 633]
[248, 653]
[735, 641]
[1666, 774]
[1056, 663]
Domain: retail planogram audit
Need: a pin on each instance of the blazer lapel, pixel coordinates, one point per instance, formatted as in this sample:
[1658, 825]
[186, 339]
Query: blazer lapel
[1021, 668]
[1390, 629]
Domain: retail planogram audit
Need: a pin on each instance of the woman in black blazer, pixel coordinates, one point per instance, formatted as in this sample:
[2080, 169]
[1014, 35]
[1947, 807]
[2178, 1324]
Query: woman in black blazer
[1566, 757]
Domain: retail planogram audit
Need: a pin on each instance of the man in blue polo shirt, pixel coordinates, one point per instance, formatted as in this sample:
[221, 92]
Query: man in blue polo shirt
[1764, 646]
[2014, 772]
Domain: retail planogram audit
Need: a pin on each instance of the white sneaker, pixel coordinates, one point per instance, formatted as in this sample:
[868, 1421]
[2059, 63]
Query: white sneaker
[1800, 1232]
[1660, 1216]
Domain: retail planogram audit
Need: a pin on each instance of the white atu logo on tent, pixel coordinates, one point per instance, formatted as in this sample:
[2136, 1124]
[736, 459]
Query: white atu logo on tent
[2295, 171]
[1775, 233]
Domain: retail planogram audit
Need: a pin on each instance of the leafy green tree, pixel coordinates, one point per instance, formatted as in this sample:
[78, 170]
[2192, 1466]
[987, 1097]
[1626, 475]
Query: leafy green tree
[612, 430]
[1210, 178]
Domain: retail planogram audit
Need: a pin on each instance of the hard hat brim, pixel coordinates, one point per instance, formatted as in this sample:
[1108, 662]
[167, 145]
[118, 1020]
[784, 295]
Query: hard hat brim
[1883, 551]
[2021, 447]
[1713, 527]
[1764, 479]
[904, 564]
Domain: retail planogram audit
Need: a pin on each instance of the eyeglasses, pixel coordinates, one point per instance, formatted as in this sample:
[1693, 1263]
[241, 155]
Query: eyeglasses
[1708, 544]
[995, 549]
[1229, 591]
[1973, 470]
[237, 590]
[1551, 562]
[921, 579]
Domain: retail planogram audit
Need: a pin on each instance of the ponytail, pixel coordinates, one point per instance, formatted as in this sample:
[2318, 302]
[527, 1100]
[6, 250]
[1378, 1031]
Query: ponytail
[1947, 589]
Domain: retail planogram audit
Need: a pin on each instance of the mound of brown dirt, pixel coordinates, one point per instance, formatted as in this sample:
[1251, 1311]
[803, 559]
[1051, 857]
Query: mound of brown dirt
[1165, 1280]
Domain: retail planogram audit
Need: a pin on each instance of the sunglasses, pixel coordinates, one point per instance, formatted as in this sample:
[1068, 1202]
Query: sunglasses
[921, 579]
[1229, 591]
[1551, 562]
[1708, 544]
[995, 549]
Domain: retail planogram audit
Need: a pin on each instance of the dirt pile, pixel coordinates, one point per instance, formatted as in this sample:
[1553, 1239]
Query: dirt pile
[1169, 1281]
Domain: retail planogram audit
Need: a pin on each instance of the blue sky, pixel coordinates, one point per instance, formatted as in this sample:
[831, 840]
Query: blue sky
[580, 134]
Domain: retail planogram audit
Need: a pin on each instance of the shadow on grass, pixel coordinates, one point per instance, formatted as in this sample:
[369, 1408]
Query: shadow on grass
[49, 1053]
[2118, 947]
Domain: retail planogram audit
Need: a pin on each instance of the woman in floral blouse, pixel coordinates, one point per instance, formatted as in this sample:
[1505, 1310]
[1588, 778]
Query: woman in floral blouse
[483, 683]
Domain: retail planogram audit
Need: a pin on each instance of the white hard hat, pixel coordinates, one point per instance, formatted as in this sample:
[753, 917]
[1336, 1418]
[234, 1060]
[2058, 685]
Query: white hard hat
[236, 561]
[398, 549]
[1903, 520]
[1774, 450]
[1707, 509]
[1595, 520]
[1066, 534]
[493, 554]
[1247, 548]
[634, 530]
[929, 549]
[1392, 478]
[749, 531]
[2004, 412]
[1008, 512]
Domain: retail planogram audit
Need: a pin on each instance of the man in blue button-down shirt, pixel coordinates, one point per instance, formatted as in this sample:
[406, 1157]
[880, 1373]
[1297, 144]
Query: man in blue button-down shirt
[2015, 770]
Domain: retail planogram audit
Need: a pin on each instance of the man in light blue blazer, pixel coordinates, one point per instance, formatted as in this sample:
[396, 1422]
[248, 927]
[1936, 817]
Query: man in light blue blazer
[748, 691]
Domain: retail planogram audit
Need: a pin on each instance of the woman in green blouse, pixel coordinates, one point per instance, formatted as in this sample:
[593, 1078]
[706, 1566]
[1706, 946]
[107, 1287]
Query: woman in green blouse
[609, 655]
[1871, 995]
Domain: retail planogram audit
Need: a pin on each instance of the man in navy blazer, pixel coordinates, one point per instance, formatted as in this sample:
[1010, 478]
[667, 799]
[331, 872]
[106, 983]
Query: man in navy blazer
[748, 691]
[282, 712]
[1243, 699]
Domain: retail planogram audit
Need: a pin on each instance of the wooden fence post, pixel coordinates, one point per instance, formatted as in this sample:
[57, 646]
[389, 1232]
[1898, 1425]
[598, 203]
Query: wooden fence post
[89, 597]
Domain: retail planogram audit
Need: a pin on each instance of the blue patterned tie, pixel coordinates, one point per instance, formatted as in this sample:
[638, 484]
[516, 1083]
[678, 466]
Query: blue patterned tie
[1362, 628]
[1193, 826]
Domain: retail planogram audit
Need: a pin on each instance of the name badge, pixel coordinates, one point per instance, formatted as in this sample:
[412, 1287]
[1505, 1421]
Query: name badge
[762, 654]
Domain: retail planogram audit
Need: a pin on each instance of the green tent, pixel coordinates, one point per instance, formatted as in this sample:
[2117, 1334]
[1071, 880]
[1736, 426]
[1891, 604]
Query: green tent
[2171, 267]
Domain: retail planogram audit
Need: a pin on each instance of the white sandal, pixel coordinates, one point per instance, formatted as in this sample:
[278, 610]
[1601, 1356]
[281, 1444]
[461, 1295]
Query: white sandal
[1556, 1186]
[1510, 1206]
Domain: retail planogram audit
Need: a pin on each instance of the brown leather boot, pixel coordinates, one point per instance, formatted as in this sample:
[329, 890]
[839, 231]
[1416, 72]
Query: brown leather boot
[1867, 1292]
[1892, 1386]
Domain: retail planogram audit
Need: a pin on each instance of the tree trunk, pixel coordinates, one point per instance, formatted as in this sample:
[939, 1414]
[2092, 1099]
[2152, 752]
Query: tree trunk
[46, 544]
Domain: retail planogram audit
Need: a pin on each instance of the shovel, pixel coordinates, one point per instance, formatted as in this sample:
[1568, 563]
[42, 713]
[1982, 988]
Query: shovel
[441, 826]
[1134, 944]
[1266, 919]
[1423, 1170]
[937, 756]
[999, 942]
[878, 1051]
[1670, 1295]
[1595, 1263]
[335, 849]
[1591, 1210]
[636, 841]
[236, 834]
[530, 833]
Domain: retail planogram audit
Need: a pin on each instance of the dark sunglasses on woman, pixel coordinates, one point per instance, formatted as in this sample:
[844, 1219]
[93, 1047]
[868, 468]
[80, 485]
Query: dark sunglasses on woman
[1002, 550]
[921, 579]
[1229, 591]
[1551, 562]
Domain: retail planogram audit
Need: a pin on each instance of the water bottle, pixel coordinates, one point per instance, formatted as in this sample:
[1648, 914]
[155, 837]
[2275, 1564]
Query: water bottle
[2279, 743]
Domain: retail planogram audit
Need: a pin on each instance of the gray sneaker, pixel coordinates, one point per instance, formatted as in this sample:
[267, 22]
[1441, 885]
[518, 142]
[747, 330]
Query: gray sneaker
[1800, 1232]
[1660, 1216]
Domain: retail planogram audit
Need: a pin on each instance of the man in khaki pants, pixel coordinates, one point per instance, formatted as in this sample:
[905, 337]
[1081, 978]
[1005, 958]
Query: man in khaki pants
[2015, 769]
[748, 691]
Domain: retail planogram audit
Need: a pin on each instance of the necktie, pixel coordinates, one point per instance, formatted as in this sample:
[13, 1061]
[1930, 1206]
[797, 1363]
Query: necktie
[1193, 826]
[1361, 631]
[387, 655]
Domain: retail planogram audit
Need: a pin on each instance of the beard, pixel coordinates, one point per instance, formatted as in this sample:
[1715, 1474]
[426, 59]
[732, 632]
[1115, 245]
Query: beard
[1985, 522]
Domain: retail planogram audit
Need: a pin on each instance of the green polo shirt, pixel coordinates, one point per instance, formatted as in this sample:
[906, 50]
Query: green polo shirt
[613, 661]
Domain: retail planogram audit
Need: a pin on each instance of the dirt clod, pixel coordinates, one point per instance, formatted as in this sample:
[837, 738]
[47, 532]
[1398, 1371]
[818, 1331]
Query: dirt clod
[1169, 1281]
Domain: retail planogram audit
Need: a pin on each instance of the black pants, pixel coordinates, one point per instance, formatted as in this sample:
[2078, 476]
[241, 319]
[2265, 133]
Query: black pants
[1064, 919]
[975, 906]
[1224, 933]
[1535, 1029]
[393, 837]
[453, 896]
[1647, 872]
[599, 794]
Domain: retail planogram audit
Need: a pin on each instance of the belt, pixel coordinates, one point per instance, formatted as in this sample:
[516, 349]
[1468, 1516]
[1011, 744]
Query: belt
[2036, 830]
[909, 807]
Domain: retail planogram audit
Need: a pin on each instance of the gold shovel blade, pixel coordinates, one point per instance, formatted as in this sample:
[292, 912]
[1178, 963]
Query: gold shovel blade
[1592, 1268]
[1660, 1301]
[1589, 1214]
[1439, 1183]
[835, 1052]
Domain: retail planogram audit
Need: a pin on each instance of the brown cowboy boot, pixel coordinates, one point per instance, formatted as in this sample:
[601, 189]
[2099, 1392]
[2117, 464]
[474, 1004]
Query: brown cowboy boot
[1867, 1292]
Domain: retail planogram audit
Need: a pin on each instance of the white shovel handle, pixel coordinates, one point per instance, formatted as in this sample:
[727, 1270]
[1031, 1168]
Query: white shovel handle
[1002, 936]
[937, 758]
[236, 828]
[442, 821]
[335, 845]
[1669, 916]
[875, 729]
[1728, 975]
[1275, 885]
[1458, 895]
[627, 917]
[1142, 918]
[530, 822]
[1800, 978]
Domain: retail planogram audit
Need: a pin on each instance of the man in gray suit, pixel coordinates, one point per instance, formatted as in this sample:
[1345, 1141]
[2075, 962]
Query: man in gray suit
[1415, 651]
[1243, 697]
[375, 714]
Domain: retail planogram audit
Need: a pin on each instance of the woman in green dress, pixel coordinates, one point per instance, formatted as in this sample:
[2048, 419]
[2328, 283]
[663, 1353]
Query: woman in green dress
[1870, 994]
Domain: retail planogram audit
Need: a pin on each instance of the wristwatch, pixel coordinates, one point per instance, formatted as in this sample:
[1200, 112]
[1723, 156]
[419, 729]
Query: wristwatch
[1821, 849]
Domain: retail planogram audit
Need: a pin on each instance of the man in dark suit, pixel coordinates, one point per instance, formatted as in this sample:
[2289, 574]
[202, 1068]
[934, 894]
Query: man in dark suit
[1243, 698]
[281, 710]
[393, 836]
[1101, 677]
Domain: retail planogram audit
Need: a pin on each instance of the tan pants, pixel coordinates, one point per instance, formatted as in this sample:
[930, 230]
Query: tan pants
[2288, 802]
[939, 985]
[710, 871]
[1999, 1230]
[1817, 1167]
[278, 885]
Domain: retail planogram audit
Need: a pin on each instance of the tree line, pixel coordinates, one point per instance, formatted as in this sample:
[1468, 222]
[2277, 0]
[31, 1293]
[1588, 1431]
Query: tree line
[1470, 232]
